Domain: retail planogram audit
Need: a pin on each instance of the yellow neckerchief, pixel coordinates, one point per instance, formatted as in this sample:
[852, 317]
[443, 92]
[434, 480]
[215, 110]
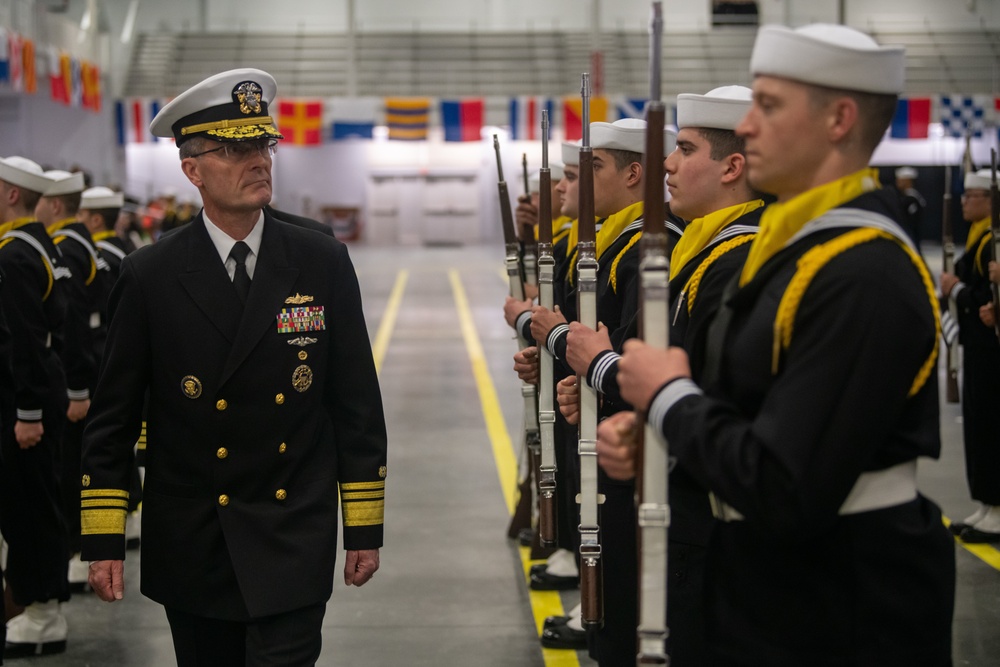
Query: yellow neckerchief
[100, 236]
[16, 223]
[978, 228]
[561, 226]
[611, 228]
[782, 220]
[59, 225]
[700, 232]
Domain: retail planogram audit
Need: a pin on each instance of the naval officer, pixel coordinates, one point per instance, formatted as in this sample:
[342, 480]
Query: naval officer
[249, 334]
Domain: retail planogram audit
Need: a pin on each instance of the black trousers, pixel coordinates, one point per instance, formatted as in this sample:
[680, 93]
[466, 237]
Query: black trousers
[291, 639]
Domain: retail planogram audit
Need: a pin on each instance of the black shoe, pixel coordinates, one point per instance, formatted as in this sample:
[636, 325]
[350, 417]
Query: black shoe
[957, 527]
[553, 621]
[974, 536]
[27, 649]
[563, 636]
[543, 581]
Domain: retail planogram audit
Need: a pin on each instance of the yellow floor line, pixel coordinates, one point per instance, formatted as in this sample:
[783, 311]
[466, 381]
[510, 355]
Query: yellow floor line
[985, 552]
[543, 603]
[381, 344]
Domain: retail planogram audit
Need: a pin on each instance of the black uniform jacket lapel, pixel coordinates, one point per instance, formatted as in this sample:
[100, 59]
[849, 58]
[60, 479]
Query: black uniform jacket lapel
[208, 284]
[272, 282]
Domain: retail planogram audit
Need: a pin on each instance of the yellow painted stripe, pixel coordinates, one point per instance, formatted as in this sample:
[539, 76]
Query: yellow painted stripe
[985, 552]
[543, 603]
[381, 344]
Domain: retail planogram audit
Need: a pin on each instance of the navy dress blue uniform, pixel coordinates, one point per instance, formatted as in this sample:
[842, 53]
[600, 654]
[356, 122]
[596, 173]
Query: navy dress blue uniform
[263, 407]
[251, 429]
[35, 308]
[793, 542]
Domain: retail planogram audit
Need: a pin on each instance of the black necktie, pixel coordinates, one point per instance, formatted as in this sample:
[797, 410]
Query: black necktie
[241, 279]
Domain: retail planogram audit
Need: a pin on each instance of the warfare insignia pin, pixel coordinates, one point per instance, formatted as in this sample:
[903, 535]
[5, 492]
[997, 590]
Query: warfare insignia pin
[299, 299]
[381, 472]
[302, 341]
[191, 386]
[247, 95]
[302, 378]
[86, 480]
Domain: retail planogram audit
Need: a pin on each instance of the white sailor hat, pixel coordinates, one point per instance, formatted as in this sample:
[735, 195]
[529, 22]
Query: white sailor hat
[230, 106]
[906, 172]
[535, 179]
[64, 183]
[722, 108]
[626, 134]
[23, 173]
[100, 197]
[978, 180]
[833, 56]
[571, 153]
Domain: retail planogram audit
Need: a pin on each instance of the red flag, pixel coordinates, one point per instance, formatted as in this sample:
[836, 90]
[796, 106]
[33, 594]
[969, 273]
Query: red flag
[573, 115]
[301, 121]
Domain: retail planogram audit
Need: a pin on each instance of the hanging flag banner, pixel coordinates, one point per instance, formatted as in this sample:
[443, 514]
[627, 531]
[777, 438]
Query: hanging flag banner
[462, 119]
[351, 117]
[631, 107]
[4, 57]
[912, 117]
[30, 66]
[962, 114]
[301, 121]
[526, 117]
[407, 117]
[573, 115]
[132, 119]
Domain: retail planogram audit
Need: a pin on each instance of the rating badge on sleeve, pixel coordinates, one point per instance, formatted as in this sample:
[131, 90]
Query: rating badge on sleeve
[307, 318]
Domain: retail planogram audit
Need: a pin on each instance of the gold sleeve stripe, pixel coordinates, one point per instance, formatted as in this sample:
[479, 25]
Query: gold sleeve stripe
[103, 502]
[365, 513]
[104, 493]
[362, 495]
[361, 486]
[102, 522]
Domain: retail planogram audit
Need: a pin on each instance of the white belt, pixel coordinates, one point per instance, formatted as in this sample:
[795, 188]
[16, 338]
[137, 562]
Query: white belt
[873, 491]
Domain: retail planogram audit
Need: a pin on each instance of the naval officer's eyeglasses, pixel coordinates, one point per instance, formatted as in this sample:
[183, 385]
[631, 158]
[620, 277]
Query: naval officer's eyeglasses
[241, 150]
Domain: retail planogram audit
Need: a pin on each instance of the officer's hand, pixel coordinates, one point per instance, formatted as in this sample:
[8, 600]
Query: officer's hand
[948, 282]
[28, 434]
[543, 320]
[616, 445]
[78, 410]
[107, 578]
[530, 291]
[643, 369]
[583, 344]
[360, 566]
[512, 308]
[526, 365]
[986, 315]
[568, 396]
[994, 272]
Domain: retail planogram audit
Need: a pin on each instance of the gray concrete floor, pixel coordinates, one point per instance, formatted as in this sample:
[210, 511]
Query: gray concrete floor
[450, 590]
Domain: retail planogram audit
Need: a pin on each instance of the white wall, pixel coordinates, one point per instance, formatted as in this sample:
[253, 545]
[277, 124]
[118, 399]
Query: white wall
[60, 137]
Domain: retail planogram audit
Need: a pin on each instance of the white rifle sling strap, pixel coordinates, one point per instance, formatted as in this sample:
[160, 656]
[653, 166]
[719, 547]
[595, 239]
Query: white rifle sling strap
[654, 510]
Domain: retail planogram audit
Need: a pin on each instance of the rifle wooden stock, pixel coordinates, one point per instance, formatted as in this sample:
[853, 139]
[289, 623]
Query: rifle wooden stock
[521, 518]
[652, 479]
[591, 580]
[948, 264]
[995, 229]
[546, 384]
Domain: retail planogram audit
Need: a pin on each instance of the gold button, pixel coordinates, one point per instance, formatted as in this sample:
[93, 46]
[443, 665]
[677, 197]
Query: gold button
[222, 452]
[221, 404]
[303, 355]
[282, 447]
[223, 500]
[280, 494]
[279, 399]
